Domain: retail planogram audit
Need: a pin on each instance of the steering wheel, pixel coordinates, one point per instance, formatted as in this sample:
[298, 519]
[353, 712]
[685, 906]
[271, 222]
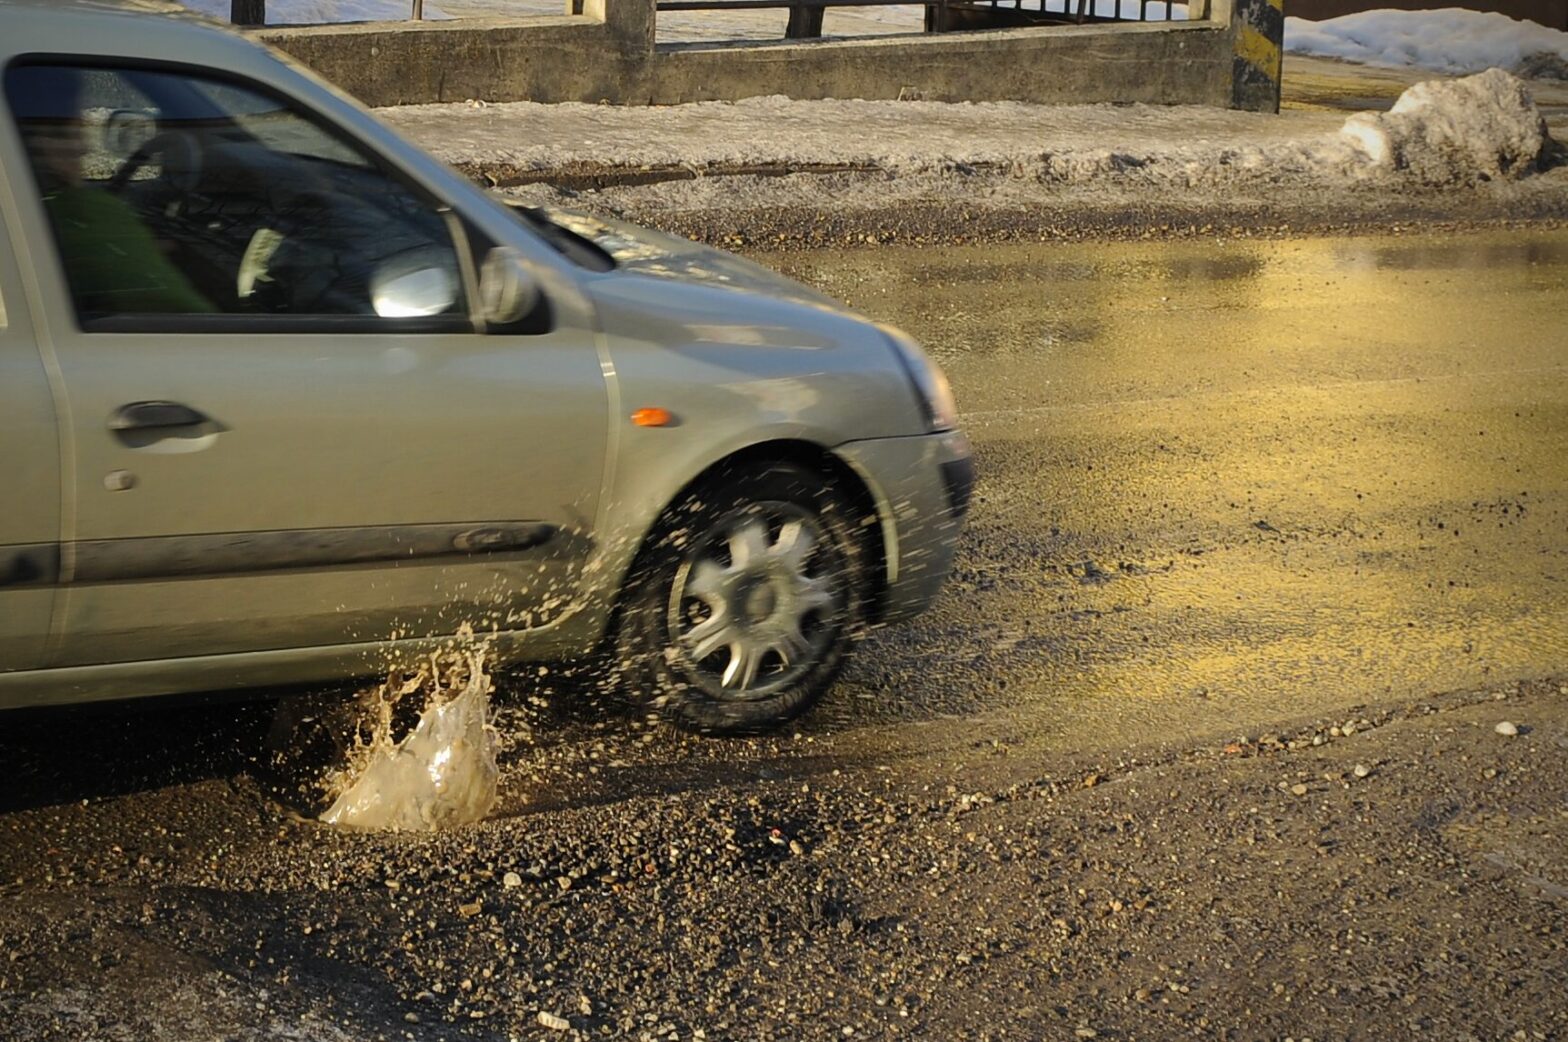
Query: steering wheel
[182, 161]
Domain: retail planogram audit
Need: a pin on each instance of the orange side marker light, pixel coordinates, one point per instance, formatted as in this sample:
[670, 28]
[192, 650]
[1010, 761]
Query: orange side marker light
[653, 417]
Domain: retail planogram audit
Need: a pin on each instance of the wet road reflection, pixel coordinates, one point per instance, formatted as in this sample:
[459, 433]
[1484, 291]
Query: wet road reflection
[1224, 484]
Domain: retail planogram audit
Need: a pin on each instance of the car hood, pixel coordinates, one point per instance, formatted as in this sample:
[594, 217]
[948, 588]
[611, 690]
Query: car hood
[643, 251]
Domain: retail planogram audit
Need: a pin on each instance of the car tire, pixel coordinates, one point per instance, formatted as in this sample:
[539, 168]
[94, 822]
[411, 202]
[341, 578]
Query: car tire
[744, 603]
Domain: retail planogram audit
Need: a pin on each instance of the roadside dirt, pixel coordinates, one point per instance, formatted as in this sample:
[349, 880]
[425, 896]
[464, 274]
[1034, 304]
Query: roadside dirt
[1090, 216]
[770, 173]
[959, 203]
[1394, 872]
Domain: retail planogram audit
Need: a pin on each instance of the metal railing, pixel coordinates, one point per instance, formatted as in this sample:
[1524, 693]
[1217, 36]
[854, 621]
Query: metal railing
[1079, 11]
[254, 12]
[805, 19]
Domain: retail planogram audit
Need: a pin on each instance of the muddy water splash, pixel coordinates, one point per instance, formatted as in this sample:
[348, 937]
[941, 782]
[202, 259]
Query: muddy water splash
[443, 772]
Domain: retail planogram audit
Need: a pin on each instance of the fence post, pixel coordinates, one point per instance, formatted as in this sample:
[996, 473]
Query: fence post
[248, 12]
[630, 23]
[804, 23]
[1258, 34]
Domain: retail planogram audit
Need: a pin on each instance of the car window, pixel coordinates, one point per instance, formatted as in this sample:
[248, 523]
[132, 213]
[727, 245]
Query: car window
[177, 194]
[278, 128]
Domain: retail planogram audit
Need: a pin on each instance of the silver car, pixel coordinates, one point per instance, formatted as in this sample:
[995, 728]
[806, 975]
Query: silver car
[282, 397]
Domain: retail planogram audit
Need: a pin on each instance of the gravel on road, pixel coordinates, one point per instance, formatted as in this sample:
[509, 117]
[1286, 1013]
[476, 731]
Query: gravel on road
[1171, 757]
[1392, 872]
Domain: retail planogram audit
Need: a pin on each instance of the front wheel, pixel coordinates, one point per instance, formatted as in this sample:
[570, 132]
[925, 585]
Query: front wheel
[744, 605]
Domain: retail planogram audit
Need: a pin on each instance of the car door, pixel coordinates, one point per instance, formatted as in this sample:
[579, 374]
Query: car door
[285, 429]
[29, 473]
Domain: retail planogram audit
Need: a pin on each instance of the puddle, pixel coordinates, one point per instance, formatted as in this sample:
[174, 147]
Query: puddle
[440, 774]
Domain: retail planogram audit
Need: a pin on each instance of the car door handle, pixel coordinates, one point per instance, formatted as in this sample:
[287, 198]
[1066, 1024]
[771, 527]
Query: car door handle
[141, 416]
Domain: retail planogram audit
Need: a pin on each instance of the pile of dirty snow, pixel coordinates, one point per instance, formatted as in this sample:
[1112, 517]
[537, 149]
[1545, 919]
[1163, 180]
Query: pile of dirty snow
[1443, 133]
[315, 12]
[1455, 131]
[1448, 40]
[902, 138]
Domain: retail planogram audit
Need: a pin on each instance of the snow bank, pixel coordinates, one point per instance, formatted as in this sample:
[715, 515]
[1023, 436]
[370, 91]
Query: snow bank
[315, 12]
[1449, 40]
[1440, 135]
[1455, 131]
[1065, 143]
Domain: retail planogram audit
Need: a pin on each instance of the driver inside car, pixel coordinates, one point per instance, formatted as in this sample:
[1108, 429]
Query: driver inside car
[113, 262]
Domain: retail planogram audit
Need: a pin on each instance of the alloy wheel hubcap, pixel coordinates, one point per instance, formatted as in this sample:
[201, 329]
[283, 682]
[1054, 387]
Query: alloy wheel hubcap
[754, 604]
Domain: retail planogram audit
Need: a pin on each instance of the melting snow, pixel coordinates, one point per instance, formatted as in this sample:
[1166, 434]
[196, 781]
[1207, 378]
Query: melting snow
[1447, 131]
[1448, 40]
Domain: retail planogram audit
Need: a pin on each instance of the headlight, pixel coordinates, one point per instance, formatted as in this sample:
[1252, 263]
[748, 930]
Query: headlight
[930, 383]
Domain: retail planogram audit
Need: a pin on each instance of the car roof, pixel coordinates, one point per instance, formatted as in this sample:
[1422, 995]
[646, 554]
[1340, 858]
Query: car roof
[69, 8]
[104, 7]
[147, 29]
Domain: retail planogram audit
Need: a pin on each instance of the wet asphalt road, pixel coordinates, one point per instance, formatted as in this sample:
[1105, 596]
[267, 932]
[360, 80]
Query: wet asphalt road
[1225, 484]
[1227, 490]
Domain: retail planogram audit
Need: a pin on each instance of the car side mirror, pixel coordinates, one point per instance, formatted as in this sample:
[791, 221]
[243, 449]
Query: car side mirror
[413, 293]
[126, 130]
[508, 292]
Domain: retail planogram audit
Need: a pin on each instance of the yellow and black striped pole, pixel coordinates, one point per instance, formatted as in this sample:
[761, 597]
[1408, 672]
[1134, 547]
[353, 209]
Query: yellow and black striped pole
[1258, 34]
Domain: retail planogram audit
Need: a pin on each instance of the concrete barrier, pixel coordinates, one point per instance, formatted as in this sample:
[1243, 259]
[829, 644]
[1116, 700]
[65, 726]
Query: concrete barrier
[607, 54]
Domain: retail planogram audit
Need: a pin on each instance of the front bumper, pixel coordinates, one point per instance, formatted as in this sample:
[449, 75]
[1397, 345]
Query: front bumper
[922, 486]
